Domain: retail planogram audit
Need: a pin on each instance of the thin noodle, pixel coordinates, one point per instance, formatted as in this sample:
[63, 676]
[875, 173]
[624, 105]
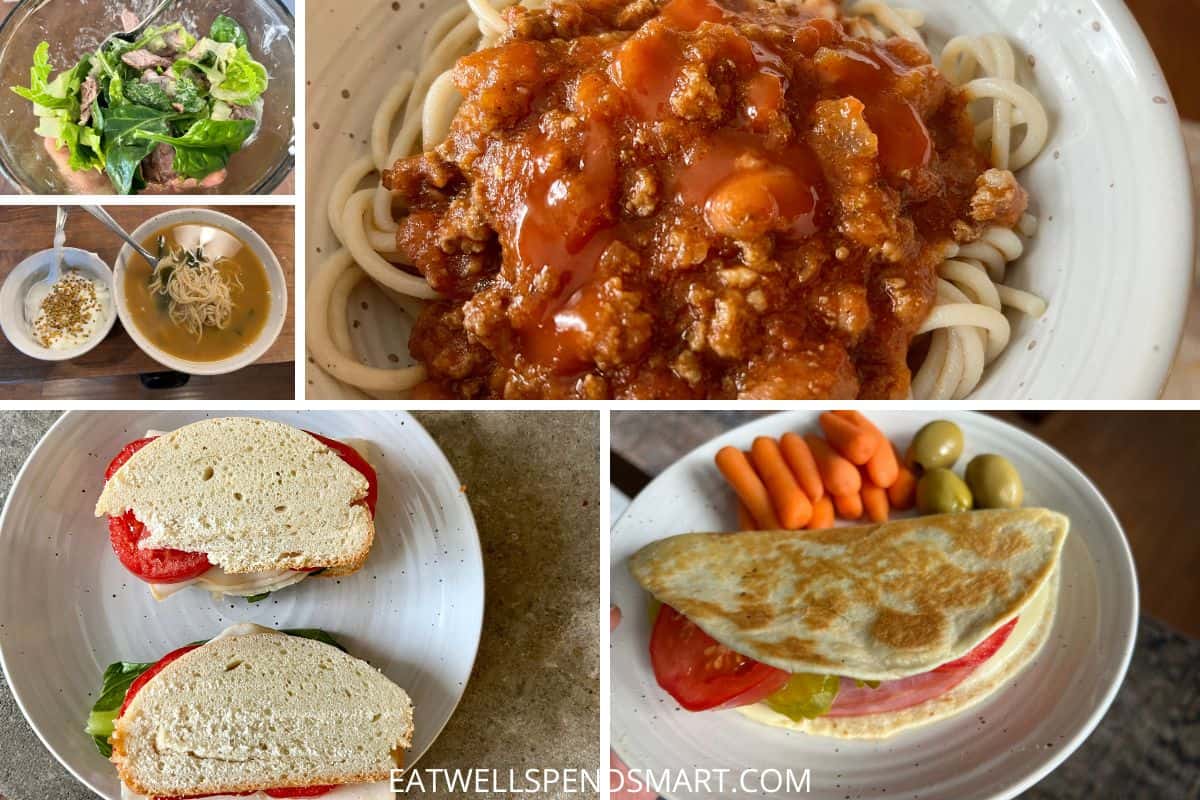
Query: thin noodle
[199, 292]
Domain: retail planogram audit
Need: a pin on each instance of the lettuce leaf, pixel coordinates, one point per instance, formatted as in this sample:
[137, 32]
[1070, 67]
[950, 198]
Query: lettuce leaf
[40, 92]
[113, 688]
[244, 82]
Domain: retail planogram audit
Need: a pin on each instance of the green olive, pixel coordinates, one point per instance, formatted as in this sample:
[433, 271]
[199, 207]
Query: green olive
[940, 491]
[995, 482]
[936, 446]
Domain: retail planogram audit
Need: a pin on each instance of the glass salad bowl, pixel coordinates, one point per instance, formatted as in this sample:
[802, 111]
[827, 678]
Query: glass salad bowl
[74, 28]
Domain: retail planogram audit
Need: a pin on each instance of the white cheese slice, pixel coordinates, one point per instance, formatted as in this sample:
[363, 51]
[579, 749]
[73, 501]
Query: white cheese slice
[219, 582]
[358, 791]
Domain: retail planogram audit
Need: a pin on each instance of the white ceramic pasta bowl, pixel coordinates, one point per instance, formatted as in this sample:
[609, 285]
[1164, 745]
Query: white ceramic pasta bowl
[1113, 256]
[414, 611]
[993, 750]
[275, 280]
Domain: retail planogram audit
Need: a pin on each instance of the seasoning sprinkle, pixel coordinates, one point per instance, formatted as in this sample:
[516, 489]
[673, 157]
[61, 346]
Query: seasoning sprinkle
[69, 310]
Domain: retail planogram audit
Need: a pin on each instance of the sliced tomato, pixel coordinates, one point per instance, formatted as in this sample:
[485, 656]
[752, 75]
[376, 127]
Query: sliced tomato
[351, 457]
[145, 677]
[126, 531]
[703, 674]
[160, 565]
[985, 650]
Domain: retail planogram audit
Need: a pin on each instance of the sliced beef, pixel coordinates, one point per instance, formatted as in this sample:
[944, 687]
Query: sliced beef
[159, 166]
[90, 91]
[129, 20]
[144, 59]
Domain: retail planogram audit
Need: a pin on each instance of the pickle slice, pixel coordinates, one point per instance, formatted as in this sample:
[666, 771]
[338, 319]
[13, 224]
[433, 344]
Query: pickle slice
[805, 696]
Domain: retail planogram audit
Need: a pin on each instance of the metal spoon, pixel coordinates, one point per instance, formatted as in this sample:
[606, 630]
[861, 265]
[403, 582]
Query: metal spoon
[114, 226]
[55, 272]
[136, 33]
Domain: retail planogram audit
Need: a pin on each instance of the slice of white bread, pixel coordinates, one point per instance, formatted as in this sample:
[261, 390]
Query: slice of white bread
[252, 494]
[258, 710]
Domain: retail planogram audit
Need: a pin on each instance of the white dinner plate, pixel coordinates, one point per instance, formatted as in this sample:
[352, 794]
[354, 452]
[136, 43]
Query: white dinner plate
[68, 608]
[993, 750]
[1113, 256]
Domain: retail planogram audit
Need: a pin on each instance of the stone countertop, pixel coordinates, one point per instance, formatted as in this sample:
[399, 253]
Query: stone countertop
[533, 698]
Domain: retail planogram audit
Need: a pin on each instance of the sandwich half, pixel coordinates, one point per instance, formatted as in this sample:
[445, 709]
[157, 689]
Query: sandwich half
[857, 632]
[253, 712]
[238, 506]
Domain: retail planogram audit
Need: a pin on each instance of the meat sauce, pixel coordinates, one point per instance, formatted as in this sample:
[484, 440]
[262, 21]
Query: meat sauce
[687, 199]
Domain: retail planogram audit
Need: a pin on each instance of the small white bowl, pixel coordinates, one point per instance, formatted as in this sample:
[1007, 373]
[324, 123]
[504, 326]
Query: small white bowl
[275, 278]
[34, 269]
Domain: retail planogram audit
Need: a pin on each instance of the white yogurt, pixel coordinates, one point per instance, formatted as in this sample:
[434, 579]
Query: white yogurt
[73, 316]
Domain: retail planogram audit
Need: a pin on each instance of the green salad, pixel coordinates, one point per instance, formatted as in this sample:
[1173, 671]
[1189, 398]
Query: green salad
[162, 110]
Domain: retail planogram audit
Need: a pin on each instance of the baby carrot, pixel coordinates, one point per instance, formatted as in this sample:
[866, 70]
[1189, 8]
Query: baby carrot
[849, 506]
[804, 466]
[903, 493]
[822, 516]
[745, 520]
[791, 505]
[855, 442]
[875, 501]
[839, 475]
[884, 467]
[736, 468]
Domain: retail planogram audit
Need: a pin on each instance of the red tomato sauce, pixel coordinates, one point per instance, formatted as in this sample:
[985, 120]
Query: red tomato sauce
[685, 199]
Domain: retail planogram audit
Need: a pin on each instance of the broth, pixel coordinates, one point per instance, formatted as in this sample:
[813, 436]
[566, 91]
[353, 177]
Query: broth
[251, 301]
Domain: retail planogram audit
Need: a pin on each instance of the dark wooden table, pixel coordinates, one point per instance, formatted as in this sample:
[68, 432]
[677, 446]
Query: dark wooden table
[1145, 464]
[112, 370]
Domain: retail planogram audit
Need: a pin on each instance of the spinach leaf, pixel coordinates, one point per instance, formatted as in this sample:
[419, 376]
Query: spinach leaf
[114, 685]
[227, 29]
[256, 598]
[189, 95]
[206, 147]
[148, 94]
[124, 145]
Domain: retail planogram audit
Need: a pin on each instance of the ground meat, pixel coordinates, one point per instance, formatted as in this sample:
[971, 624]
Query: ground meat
[686, 199]
[998, 199]
[824, 372]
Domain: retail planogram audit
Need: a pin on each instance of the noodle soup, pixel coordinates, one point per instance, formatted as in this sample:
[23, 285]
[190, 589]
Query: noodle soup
[208, 301]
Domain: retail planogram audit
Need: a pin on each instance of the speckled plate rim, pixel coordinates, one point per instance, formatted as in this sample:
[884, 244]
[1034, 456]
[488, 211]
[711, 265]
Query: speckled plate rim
[476, 556]
[668, 483]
